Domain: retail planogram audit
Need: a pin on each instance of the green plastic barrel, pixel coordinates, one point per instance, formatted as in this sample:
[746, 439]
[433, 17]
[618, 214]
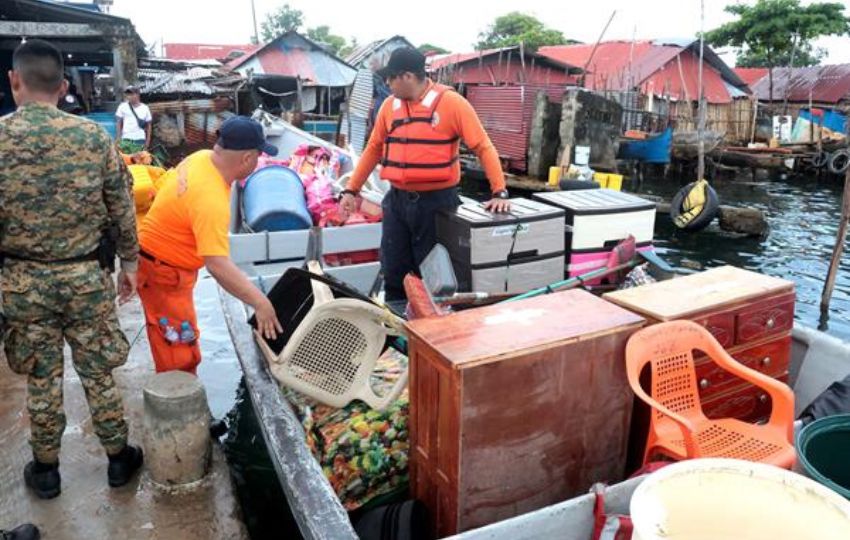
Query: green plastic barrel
[823, 448]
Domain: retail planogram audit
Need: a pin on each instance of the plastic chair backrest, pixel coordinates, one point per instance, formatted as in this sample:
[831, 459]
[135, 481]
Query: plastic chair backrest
[331, 355]
[668, 348]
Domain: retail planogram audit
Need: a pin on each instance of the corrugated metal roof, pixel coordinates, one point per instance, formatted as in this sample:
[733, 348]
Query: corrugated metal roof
[751, 75]
[827, 84]
[205, 51]
[293, 55]
[443, 61]
[363, 53]
[651, 65]
[196, 81]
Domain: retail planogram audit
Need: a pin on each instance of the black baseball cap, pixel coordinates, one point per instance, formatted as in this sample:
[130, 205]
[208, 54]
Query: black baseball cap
[243, 133]
[403, 60]
[131, 90]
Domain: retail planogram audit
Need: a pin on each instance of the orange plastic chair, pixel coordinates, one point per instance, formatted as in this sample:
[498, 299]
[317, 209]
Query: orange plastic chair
[678, 428]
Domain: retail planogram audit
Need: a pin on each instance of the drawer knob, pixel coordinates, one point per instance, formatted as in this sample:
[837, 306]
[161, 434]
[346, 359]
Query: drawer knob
[703, 383]
[766, 361]
[771, 322]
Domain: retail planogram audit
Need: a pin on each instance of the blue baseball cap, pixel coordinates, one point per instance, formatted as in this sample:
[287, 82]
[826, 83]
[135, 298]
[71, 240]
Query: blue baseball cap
[243, 133]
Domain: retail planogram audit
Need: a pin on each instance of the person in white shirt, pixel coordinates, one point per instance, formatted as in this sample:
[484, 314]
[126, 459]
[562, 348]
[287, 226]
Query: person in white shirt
[133, 123]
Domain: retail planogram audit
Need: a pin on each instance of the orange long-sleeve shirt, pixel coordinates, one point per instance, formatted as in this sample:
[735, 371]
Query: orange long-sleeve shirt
[457, 119]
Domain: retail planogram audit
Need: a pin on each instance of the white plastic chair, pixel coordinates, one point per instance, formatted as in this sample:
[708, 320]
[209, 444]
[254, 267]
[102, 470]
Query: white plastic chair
[331, 355]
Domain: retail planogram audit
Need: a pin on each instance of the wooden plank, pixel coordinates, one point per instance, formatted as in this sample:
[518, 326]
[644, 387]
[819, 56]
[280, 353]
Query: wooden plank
[514, 181]
[477, 334]
[50, 30]
[686, 296]
[315, 506]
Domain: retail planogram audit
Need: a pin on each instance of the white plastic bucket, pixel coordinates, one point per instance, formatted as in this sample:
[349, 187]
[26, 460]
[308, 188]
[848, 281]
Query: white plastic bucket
[582, 155]
[728, 499]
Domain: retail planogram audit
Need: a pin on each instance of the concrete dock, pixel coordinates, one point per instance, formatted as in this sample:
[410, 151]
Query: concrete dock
[88, 507]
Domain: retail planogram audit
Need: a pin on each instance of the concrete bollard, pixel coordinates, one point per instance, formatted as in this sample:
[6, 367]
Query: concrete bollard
[176, 429]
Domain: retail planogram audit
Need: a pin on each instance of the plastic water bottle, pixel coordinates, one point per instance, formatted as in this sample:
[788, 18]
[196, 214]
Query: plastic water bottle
[170, 333]
[187, 334]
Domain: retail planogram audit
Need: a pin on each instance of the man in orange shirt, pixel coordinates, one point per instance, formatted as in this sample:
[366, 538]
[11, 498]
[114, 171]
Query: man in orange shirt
[186, 229]
[416, 140]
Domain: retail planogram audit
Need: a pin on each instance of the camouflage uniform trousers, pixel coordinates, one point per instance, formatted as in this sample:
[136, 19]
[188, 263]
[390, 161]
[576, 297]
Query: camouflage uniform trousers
[46, 305]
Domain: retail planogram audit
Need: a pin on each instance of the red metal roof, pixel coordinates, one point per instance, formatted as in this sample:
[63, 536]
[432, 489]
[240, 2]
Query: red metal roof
[751, 75]
[622, 65]
[293, 55]
[827, 84]
[496, 66]
[204, 51]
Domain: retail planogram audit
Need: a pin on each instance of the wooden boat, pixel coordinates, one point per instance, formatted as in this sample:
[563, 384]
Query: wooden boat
[653, 149]
[817, 361]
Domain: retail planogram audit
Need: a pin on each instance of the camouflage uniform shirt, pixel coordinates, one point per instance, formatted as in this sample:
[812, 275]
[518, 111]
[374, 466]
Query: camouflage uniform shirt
[60, 183]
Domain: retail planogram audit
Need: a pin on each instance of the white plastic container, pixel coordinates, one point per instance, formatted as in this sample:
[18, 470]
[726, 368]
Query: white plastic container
[728, 499]
[582, 155]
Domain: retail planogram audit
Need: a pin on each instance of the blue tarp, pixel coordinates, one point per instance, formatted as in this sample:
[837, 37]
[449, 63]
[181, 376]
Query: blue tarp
[832, 120]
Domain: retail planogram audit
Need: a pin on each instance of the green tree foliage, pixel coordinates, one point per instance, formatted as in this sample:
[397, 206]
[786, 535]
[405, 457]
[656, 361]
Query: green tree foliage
[770, 33]
[515, 28]
[281, 21]
[426, 48]
[322, 35]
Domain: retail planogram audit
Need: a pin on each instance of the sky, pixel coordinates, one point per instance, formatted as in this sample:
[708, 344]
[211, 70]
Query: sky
[451, 24]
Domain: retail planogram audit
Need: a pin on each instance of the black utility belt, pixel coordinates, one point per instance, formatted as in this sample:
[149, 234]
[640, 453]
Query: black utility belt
[104, 254]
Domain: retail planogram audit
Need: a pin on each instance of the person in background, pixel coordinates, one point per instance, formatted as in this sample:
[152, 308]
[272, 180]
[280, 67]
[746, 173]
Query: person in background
[185, 230]
[65, 213]
[133, 123]
[416, 139]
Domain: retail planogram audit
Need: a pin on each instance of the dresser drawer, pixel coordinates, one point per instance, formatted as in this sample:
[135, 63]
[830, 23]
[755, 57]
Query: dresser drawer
[770, 359]
[721, 326]
[749, 403]
[771, 317]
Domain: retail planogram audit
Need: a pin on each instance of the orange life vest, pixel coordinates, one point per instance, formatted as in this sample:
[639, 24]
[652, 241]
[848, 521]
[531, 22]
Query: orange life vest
[414, 151]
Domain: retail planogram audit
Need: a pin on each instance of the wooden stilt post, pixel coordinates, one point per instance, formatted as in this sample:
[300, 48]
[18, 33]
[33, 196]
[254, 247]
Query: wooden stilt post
[839, 248]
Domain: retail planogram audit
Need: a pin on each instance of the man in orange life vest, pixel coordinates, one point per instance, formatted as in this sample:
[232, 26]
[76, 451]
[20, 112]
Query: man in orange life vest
[416, 140]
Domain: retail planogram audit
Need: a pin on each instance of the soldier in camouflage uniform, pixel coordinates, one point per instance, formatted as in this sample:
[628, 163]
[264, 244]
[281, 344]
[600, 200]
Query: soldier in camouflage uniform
[61, 184]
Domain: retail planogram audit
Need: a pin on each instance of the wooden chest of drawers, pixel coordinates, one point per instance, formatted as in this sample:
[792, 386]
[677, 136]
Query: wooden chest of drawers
[750, 314]
[517, 406]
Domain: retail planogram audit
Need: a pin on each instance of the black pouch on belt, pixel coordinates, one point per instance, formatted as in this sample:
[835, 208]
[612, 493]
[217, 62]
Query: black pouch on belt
[108, 247]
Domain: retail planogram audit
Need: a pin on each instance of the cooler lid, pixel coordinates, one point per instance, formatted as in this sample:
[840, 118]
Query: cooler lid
[595, 201]
[688, 295]
[501, 331]
[522, 211]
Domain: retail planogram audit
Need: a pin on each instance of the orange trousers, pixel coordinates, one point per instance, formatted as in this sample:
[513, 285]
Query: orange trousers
[166, 294]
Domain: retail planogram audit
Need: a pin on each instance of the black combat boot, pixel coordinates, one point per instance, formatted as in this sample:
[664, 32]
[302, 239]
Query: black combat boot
[124, 464]
[43, 479]
[27, 531]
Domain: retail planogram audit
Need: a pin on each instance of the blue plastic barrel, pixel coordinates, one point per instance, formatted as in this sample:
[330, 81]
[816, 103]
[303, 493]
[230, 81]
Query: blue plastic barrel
[105, 119]
[274, 200]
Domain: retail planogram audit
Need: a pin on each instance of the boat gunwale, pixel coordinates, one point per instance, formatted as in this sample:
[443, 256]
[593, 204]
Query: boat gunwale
[313, 503]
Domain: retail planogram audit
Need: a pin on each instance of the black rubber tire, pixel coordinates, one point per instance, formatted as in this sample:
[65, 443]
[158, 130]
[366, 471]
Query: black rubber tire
[709, 211]
[820, 160]
[575, 185]
[839, 161]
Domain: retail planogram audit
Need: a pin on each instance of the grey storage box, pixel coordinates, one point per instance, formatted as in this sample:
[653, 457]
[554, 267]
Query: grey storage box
[511, 252]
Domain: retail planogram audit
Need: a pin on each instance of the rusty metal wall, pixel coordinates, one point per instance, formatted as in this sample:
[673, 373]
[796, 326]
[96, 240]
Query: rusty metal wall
[506, 113]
